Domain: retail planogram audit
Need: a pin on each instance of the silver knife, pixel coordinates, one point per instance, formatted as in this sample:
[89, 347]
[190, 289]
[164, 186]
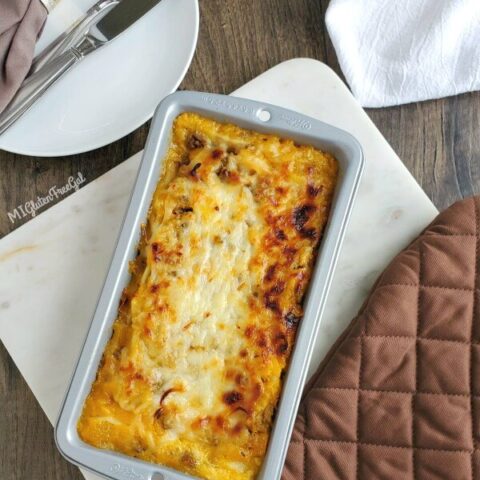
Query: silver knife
[72, 36]
[116, 21]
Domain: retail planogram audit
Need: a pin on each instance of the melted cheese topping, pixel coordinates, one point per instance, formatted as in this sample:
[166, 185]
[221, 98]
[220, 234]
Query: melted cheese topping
[192, 374]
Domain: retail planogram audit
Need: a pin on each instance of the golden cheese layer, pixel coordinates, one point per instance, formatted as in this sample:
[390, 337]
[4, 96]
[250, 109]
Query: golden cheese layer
[193, 372]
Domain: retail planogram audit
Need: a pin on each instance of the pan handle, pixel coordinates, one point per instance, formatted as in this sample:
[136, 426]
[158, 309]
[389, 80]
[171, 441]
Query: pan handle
[125, 469]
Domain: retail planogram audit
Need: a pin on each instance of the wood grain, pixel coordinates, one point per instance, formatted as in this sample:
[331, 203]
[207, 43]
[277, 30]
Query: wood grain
[439, 142]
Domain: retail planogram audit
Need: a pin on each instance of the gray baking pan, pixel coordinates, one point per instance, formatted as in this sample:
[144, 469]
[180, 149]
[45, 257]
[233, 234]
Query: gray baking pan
[252, 115]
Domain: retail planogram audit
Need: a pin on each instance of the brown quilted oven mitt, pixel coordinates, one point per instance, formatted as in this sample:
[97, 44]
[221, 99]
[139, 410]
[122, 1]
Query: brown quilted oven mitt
[398, 396]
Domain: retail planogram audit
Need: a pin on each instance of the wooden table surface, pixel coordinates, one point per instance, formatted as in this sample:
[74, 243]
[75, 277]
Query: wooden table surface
[439, 141]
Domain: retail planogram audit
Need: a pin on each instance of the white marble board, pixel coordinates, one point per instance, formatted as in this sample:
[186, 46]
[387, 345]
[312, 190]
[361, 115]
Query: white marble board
[52, 268]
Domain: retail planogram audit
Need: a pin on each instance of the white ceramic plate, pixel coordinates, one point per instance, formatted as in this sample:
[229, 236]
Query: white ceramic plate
[114, 90]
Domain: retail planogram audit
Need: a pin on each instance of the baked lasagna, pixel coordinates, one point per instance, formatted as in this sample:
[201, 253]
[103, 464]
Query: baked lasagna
[192, 374]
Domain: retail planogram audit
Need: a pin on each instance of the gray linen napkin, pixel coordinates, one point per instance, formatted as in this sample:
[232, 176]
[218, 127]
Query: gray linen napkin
[21, 22]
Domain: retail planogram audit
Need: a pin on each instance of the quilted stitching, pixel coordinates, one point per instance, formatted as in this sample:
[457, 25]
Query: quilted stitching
[398, 397]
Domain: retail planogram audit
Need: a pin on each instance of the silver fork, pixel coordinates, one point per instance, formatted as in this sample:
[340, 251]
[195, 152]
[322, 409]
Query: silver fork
[41, 75]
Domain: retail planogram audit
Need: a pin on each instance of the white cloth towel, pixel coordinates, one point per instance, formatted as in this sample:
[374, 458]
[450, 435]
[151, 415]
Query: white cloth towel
[401, 51]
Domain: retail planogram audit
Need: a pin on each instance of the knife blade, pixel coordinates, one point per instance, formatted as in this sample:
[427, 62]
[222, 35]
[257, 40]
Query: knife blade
[115, 22]
[121, 17]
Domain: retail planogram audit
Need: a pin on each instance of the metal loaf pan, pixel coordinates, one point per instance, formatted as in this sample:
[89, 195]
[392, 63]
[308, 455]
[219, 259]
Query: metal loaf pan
[252, 115]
